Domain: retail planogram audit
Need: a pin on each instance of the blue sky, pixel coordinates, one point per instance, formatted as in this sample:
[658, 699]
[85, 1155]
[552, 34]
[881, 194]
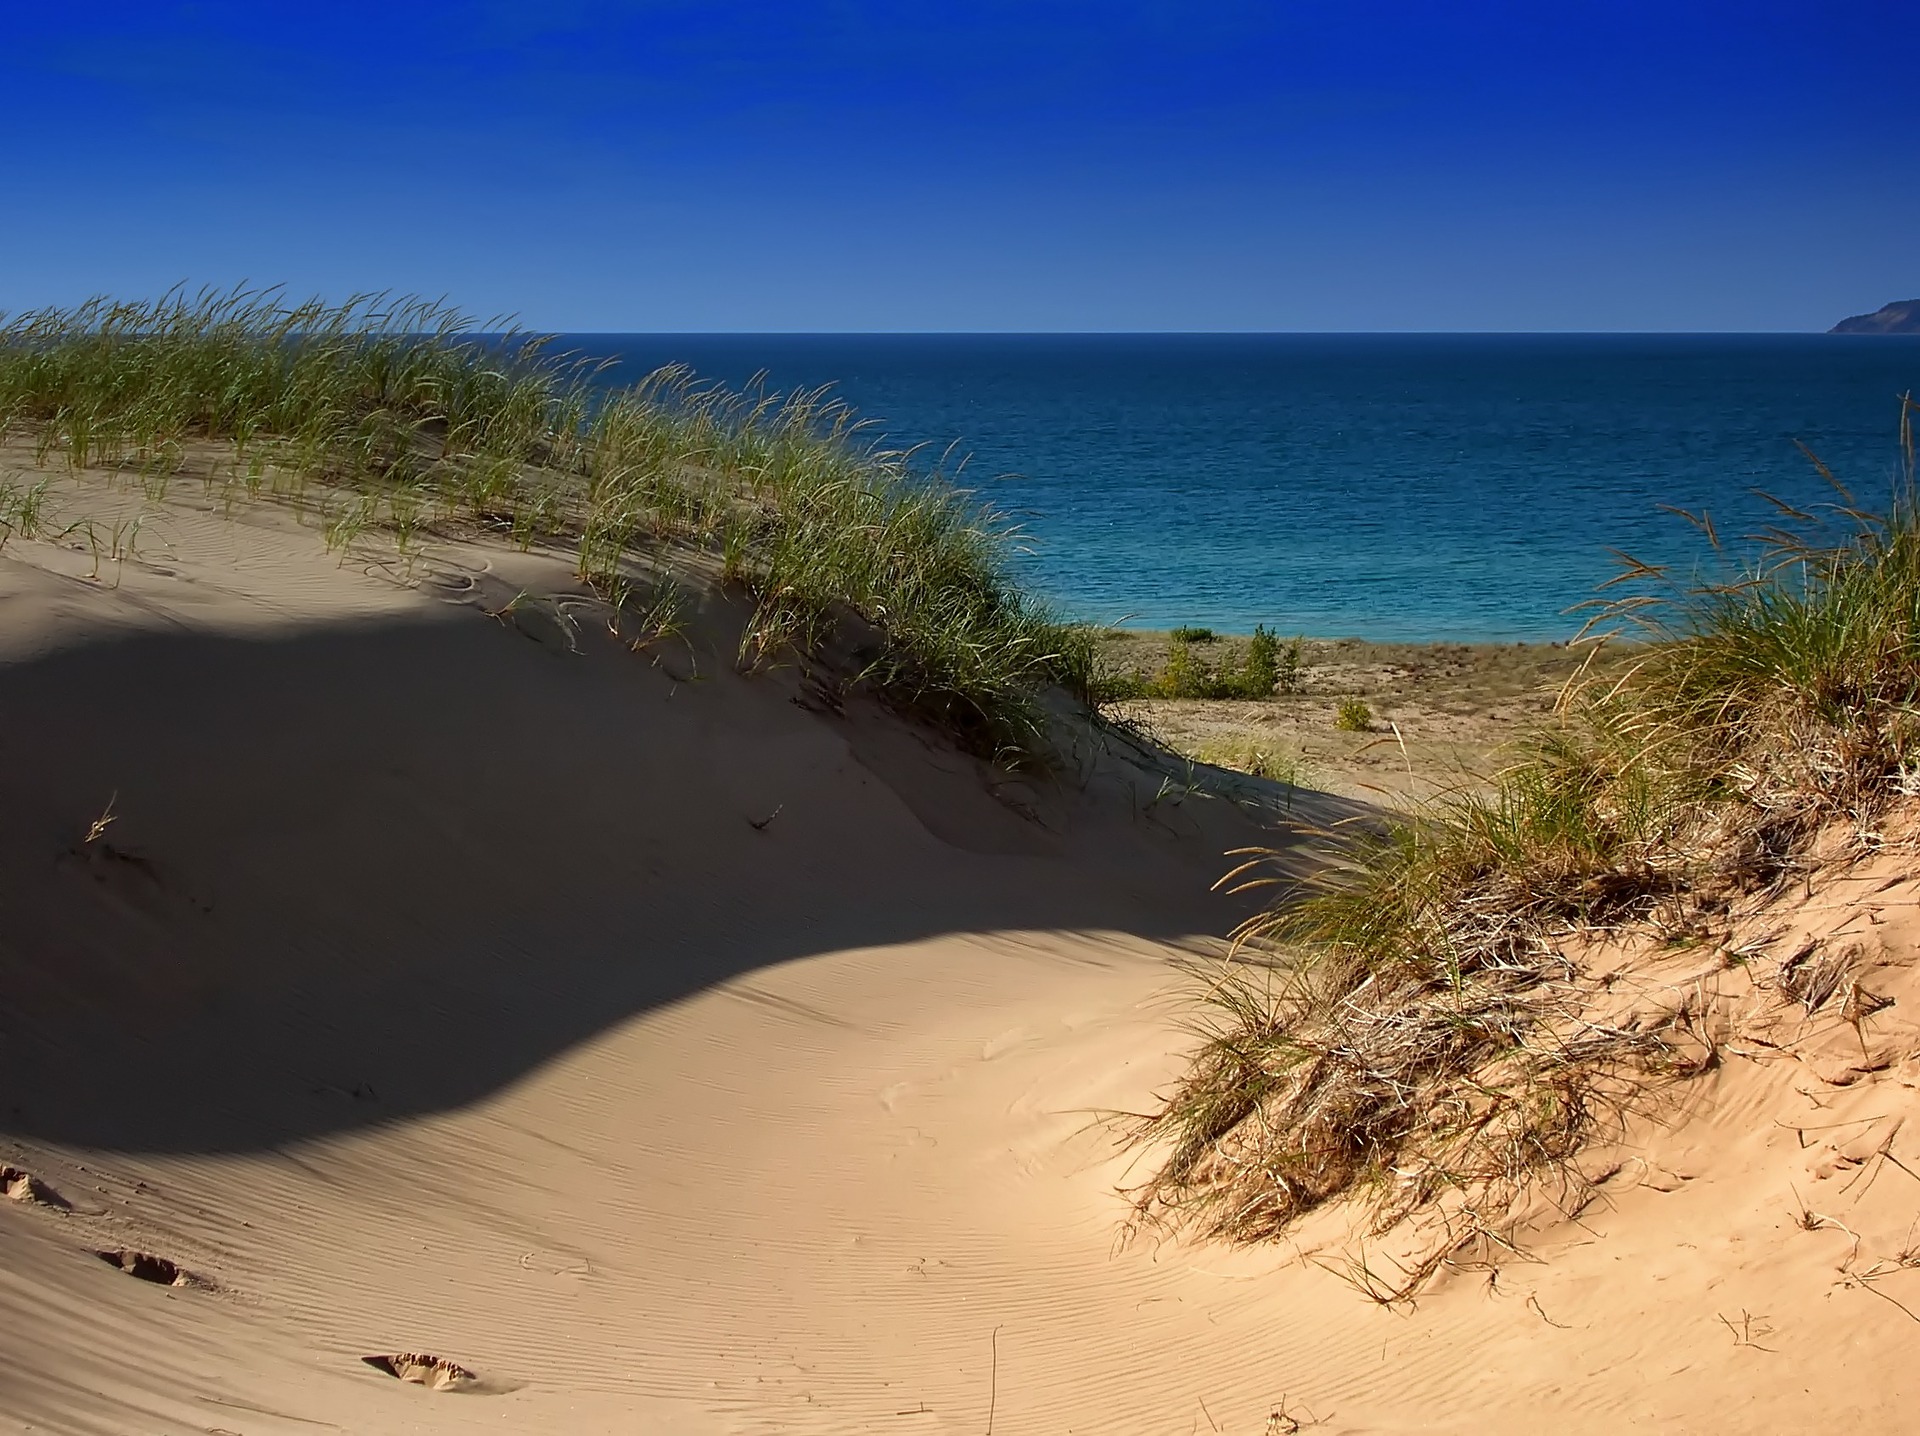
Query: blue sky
[687, 165]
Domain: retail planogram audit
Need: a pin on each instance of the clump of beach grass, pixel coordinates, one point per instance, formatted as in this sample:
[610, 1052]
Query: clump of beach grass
[22, 509]
[1415, 1028]
[407, 419]
[1254, 671]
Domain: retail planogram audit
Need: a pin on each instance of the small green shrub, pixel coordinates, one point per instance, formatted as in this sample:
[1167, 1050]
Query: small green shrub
[1291, 663]
[1265, 666]
[1188, 675]
[1260, 669]
[1354, 716]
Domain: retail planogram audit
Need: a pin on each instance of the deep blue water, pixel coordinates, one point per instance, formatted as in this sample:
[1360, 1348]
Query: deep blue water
[1384, 486]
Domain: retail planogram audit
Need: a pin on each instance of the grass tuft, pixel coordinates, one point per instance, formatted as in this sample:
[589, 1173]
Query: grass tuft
[22, 510]
[1353, 716]
[1416, 1028]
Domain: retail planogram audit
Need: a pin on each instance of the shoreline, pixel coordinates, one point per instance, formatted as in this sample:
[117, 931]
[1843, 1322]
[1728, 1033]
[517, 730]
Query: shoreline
[1286, 634]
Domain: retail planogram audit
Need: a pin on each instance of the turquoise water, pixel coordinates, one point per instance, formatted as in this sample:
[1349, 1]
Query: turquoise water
[1463, 487]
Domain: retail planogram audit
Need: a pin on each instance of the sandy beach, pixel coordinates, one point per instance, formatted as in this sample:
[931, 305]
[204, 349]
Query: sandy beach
[1444, 717]
[610, 1041]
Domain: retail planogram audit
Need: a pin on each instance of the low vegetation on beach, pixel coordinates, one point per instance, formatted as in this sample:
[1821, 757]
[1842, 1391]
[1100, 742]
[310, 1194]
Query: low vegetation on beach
[396, 415]
[1197, 664]
[1386, 722]
[1417, 1027]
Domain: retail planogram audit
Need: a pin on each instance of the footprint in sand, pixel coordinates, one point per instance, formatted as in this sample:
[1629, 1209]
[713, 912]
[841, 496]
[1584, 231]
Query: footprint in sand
[436, 1373]
[19, 1186]
[129, 879]
[548, 623]
[148, 1267]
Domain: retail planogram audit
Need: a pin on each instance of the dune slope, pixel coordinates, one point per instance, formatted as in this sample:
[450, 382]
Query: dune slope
[420, 973]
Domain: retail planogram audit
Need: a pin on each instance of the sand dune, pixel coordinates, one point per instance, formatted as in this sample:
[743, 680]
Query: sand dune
[448, 1020]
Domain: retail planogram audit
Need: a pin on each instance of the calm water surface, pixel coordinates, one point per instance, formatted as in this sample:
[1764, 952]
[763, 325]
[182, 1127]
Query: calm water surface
[1385, 486]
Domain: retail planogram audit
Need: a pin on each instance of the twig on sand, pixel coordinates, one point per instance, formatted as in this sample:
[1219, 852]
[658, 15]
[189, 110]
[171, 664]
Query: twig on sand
[1746, 1333]
[1541, 1312]
[1867, 1279]
[1870, 1169]
[98, 827]
[993, 1381]
[1885, 1149]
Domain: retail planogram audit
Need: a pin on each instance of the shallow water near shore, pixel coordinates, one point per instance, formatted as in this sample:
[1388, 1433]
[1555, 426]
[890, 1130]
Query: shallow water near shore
[1389, 487]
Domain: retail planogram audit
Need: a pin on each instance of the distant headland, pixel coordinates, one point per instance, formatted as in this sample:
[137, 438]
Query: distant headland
[1900, 317]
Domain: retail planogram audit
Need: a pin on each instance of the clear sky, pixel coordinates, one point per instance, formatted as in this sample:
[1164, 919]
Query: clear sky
[1001, 165]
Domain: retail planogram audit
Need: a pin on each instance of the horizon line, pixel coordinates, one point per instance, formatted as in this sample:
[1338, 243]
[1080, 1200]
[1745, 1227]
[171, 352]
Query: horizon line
[1208, 333]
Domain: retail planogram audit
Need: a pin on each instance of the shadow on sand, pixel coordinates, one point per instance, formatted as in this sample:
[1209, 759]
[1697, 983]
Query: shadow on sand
[353, 873]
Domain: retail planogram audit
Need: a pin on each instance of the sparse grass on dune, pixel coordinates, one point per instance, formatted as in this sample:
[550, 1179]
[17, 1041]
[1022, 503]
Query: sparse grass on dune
[396, 415]
[1417, 1029]
[22, 509]
[1271, 762]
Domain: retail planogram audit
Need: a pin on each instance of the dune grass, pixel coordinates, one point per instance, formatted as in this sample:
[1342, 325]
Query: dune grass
[399, 415]
[1260, 759]
[1416, 1027]
[22, 509]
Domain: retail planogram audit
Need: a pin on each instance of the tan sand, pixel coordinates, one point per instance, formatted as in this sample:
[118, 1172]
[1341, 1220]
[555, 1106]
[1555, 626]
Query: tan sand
[605, 1047]
[1446, 716]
